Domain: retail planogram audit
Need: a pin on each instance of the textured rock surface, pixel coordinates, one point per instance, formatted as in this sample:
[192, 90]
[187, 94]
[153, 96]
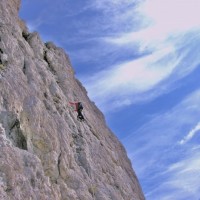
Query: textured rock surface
[45, 152]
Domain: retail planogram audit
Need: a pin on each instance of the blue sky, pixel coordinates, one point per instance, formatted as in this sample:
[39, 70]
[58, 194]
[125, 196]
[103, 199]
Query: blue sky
[142, 56]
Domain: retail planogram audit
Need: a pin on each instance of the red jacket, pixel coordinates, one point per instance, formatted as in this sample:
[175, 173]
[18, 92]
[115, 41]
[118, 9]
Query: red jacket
[74, 104]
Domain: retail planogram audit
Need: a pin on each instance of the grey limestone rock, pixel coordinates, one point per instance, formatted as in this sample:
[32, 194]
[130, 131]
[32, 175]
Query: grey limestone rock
[45, 152]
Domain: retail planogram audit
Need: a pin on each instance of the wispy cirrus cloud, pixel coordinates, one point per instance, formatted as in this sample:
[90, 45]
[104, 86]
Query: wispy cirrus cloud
[166, 168]
[134, 76]
[191, 134]
[182, 180]
[143, 78]
[160, 38]
[160, 20]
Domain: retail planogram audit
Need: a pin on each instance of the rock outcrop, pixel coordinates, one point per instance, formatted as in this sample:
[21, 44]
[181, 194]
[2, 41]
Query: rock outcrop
[46, 154]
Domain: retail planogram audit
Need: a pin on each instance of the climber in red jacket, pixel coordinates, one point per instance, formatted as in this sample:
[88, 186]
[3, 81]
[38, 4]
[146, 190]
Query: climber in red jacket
[78, 109]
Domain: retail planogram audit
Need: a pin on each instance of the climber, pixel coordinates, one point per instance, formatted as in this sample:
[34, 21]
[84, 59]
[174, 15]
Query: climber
[78, 109]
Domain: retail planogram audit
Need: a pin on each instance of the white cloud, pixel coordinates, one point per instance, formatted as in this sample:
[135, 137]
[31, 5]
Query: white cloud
[112, 5]
[138, 75]
[172, 15]
[33, 26]
[122, 81]
[167, 126]
[191, 134]
[182, 182]
[162, 19]
[161, 35]
[156, 156]
[185, 175]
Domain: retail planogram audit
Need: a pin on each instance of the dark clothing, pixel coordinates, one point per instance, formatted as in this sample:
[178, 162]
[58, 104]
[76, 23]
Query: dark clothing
[80, 116]
[78, 108]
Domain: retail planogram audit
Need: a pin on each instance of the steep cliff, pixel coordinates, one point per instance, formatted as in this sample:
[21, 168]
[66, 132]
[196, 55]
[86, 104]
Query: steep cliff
[45, 152]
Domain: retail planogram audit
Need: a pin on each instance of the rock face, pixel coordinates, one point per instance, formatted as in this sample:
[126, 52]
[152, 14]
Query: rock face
[46, 154]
